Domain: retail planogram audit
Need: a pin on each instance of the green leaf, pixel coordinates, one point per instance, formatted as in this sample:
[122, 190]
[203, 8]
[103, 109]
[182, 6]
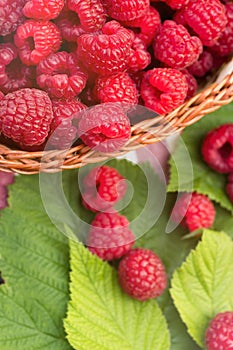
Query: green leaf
[102, 317]
[34, 260]
[202, 286]
[204, 180]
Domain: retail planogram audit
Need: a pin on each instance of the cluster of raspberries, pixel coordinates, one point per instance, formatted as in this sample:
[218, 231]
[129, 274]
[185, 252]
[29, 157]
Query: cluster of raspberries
[59, 57]
[141, 273]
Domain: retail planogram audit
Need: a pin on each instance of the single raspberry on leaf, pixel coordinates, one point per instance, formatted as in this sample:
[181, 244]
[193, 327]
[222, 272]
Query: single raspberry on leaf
[36, 40]
[163, 89]
[219, 334]
[203, 65]
[142, 274]
[106, 52]
[11, 15]
[192, 84]
[60, 75]
[103, 188]
[127, 10]
[26, 116]
[207, 18]
[217, 148]
[229, 187]
[175, 47]
[104, 127]
[193, 210]
[110, 237]
[43, 9]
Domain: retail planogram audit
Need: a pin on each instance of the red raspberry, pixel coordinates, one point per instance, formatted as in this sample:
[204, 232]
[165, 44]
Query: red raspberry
[69, 25]
[110, 237]
[10, 15]
[142, 274]
[229, 187]
[219, 334]
[105, 127]
[206, 17]
[6, 178]
[139, 57]
[103, 187]
[163, 89]
[43, 9]
[148, 24]
[175, 47]
[36, 40]
[116, 88]
[176, 4]
[91, 13]
[194, 211]
[224, 45]
[1, 95]
[192, 84]
[13, 74]
[217, 148]
[203, 65]
[106, 52]
[26, 116]
[128, 10]
[60, 75]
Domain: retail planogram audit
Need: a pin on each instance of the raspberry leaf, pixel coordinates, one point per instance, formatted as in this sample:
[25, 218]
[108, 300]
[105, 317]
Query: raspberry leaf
[34, 263]
[204, 179]
[202, 286]
[101, 317]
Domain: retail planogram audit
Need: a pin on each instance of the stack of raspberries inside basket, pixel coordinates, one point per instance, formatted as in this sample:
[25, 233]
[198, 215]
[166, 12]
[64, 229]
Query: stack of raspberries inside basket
[71, 69]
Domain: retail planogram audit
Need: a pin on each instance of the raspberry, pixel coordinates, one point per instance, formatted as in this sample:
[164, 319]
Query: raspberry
[13, 74]
[1, 95]
[224, 45]
[163, 89]
[6, 178]
[36, 40]
[192, 84]
[25, 116]
[142, 274]
[206, 17]
[60, 75]
[203, 65]
[43, 9]
[104, 127]
[69, 25]
[10, 15]
[229, 187]
[194, 211]
[103, 187]
[116, 88]
[127, 11]
[217, 148]
[176, 4]
[148, 24]
[219, 334]
[91, 13]
[106, 52]
[110, 237]
[175, 47]
[139, 57]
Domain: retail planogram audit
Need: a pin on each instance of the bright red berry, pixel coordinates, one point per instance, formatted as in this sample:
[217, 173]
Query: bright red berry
[69, 25]
[36, 40]
[26, 116]
[175, 47]
[110, 237]
[43, 9]
[127, 10]
[194, 211]
[176, 4]
[104, 127]
[106, 52]
[163, 89]
[116, 88]
[192, 83]
[207, 18]
[103, 188]
[219, 334]
[142, 274]
[229, 187]
[11, 15]
[203, 65]
[139, 57]
[1, 95]
[217, 148]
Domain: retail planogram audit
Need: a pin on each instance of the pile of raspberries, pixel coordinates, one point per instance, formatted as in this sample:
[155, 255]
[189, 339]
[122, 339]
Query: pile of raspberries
[69, 68]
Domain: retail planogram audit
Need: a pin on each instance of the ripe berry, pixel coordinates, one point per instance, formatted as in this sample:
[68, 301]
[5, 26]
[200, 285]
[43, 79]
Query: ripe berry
[11, 15]
[142, 274]
[175, 47]
[194, 211]
[103, 187]
[43, 9]
[192, 83]
[176, 4]
[203, 65]
[139, 57]
[110, 237]
[219, 334]
[128, 10]
[163, 89]
[26, 116]
[104, 127]
[217, 148]
[69, 25]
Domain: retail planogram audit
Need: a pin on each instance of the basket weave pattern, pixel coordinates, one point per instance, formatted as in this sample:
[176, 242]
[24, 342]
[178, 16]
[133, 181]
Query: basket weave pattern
[143, 133]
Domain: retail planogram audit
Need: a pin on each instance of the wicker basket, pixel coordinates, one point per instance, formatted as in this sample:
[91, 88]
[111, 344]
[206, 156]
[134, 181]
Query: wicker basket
[146, 132]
